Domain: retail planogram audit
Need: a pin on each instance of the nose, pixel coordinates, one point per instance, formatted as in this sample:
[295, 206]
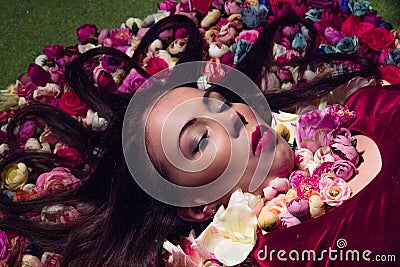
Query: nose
[233, 121]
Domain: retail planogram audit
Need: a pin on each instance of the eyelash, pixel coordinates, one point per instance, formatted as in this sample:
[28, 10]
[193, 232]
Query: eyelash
[203, 137]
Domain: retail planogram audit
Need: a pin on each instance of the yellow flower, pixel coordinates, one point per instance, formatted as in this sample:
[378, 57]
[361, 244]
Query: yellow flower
[15, 177]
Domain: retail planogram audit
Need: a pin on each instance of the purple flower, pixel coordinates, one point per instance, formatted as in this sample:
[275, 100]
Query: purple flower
[304, 185]
[104, 80]
[373, 18]
[333, 17]
[4, 253]
[26, 89]
[120, 36]
[288, 220]
[131, 83]
[342, 148]
[86, 33]
[53, 52]
[111, 64]
[320, 3]
[333, 36]
[298, 207]
[38, 75]
[343, 169]
[338, 132]
[285, 74]
[27, 130]
[167, 5]
[343, 114]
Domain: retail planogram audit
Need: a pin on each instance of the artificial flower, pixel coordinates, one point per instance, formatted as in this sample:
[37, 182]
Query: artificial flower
[280, 184]
[379, 38]
[270, 192]
[59, 214]
[343, 169]
[232, 7]
[28, 192]
[47, 94]
[72, 104]
[57, 180]
[323, 154]
[50, 259]
[111, 64]
[342, 148]
[391, 74]
[38, 75]
[167, 5]
[14, 177]
[332, 17]
[347, 45]
[155, 65]
[86, 33]
[305, 185]
[242, 47]
[27, 130]
[316, 206]
[332, 35]
[4, 253]
[300, 41]
[120, 36]
[176, 256]
[253, 15]
[53, 52]
[217, 49]
[393, 58]
[334, 191]
[320, 3]
[211, 19]
[298, 207]
[232, 234]
[56, 74]
[359, 7]
[314, 14]
[302, 157]
[288, 220]
[29, 260]
[104, 79]
[248, 35]
[353, 26]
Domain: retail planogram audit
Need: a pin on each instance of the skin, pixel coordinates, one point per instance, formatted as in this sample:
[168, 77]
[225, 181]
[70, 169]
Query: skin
[221, 131]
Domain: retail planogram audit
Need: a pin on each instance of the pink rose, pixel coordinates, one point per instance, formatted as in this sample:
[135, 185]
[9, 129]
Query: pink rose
[57, 180]
[167, 5]
[333, 191]
[4, 253]
[342, 148]
[379, 39]
[353, 26]
[70, 156]
[284, 74]
[344, 169]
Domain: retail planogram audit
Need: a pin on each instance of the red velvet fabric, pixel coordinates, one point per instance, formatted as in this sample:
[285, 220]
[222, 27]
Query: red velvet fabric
[369, 220]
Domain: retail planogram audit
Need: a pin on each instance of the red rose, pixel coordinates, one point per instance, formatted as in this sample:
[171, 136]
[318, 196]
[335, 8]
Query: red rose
[353, 26]
[72, 104]
[155, 65]
[203, 6]
[391, 74]
[379, 38]
[71, 157]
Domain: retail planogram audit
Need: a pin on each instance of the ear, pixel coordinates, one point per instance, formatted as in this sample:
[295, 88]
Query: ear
[197, 214]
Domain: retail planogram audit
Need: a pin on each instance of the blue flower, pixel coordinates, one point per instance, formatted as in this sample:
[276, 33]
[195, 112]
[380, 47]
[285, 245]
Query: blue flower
[300, 42]
[328, 49]
[348, 45]
[344, 6]
[393, 58]
[242, 47]
[253, 15]
[314, 14]
[359, 7]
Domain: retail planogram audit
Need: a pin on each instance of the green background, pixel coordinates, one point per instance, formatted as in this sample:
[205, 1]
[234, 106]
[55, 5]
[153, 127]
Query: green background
[27, 26]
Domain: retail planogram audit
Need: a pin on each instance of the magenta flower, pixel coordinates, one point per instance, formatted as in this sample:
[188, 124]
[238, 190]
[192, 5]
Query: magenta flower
[57, 180]
[27, 130]
[343, 169]
[131, 83]
[298, 207]
[26, 90]
[332, 35]
[120, 36]
[304, 185]
[111, 64]
[342, 148]
[53, 52]
[38, 75]
[167, 5]
[285, 74]
[325, 167]
[323, 4]
[104, 79]
[343, 115]
[4, 253]
[56, 74]
[86, 33]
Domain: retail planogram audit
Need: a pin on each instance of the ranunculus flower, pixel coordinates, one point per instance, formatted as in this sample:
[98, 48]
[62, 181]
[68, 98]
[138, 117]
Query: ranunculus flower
[14, 177]
[391, 74]
[332, 35]
[4, 253]
[86, 33]
[334, 191]
[342, 148]
[379, 38]
[343, 169]
[47, 94]
[155, 65]
[59, 214]
[57, 180]
[38, 75]
[323, 4]
[167, 5]
[53, 52]
[248, 35]
[324, 167]
[72, 104]
[232, 234]
[298, 207]
[253, 15]
[120, 36]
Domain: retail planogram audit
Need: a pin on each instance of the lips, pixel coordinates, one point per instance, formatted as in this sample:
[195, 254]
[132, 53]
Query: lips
[261, 138]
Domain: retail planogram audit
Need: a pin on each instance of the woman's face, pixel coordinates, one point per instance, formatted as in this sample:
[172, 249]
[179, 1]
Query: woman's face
[193, 136]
